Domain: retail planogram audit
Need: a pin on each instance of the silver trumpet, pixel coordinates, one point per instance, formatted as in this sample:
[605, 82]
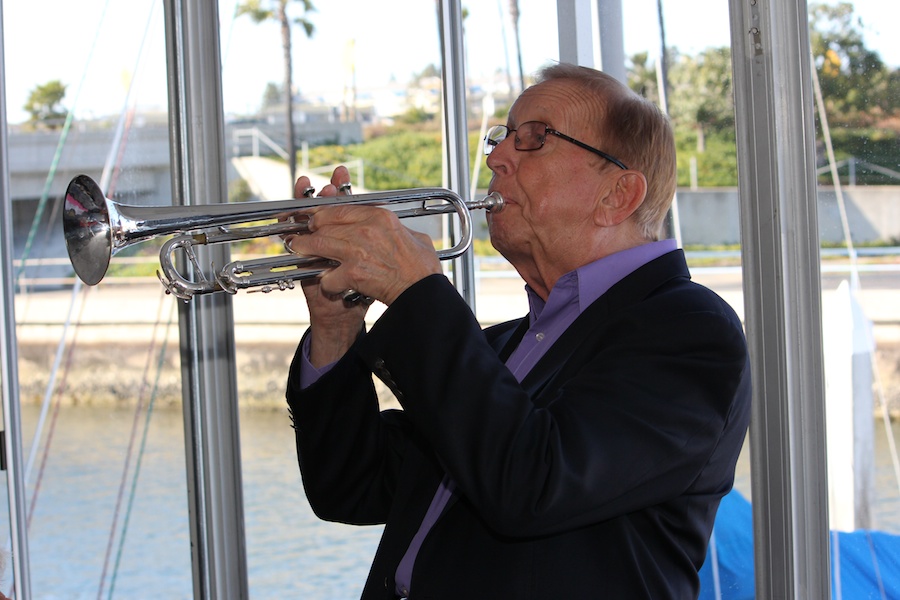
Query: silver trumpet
[96, 228]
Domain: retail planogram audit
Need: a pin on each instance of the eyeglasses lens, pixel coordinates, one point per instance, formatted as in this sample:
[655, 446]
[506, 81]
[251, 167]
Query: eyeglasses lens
[494, 136]
[530, 135]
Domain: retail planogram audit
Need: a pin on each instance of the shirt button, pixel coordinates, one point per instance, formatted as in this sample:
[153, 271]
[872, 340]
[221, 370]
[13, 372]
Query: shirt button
[539, 337]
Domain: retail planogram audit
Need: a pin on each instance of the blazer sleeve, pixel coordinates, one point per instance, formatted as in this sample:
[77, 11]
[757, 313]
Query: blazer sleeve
[632, 415]
[349, 452]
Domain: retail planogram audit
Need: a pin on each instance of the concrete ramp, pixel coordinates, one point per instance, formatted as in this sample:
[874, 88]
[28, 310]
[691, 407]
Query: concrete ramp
[269, 179]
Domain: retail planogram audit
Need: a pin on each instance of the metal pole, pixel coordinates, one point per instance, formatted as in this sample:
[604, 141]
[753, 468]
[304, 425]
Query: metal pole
[9, 363]
[673, 221]
[212, 445]
[782, 292]
[612, 39]
[575, 22]
[456, 140]
[580, 23]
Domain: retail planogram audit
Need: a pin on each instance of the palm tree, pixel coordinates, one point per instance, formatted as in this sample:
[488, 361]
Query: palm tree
[276, 10]
[514, 15]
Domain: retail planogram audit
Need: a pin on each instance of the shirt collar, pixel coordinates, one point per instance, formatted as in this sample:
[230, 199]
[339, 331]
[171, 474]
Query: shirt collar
[590, 281]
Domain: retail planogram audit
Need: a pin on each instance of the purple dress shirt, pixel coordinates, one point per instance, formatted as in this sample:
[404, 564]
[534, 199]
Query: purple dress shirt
[573, 293]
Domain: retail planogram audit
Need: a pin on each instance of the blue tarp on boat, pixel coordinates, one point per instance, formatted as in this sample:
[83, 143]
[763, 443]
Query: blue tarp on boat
[868, 563]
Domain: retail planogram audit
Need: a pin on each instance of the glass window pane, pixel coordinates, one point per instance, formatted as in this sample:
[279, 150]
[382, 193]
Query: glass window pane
[857, 81]
[99, 367]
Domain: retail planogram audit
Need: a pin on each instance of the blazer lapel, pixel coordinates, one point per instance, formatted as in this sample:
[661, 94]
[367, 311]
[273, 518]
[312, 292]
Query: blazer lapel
[505, 337]
[588, 325]
[583, 328]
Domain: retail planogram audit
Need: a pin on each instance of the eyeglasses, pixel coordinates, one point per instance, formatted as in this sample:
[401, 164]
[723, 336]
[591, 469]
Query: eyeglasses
[532, 135]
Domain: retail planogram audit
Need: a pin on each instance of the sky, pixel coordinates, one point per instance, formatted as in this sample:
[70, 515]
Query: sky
[93, 46]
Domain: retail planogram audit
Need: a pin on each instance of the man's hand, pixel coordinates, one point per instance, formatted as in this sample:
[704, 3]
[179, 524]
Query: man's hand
[335, 324]
[378, 258]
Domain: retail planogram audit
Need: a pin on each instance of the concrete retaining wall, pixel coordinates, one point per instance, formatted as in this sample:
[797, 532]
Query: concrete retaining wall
[712, 216]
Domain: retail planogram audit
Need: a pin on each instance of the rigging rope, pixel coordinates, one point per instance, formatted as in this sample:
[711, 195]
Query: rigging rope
[54, 419]
[871, 545]
[133, 437]
[112, 169]
[137, 469]
[51, 384]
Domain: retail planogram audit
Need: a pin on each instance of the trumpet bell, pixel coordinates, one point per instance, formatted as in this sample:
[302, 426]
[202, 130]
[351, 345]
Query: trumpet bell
[87, 230]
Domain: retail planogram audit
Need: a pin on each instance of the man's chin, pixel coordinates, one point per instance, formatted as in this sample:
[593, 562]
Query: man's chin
[501, 245]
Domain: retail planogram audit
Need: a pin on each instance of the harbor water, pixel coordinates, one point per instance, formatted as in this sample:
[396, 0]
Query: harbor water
[75, 553]
[79, 491]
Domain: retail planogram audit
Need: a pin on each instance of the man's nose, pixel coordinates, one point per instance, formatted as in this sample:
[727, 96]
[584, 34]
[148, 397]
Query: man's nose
[500, 157]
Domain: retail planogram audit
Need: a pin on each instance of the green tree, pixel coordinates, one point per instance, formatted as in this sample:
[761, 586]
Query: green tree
[276, 10]
[430, 70]
[45, 105]
[642, 76]
[858, 88]
[414, 116]
[272, 95]
[702, 96]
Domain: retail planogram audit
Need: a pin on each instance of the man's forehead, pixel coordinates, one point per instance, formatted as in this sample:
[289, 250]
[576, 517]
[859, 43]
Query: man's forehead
[555, 102]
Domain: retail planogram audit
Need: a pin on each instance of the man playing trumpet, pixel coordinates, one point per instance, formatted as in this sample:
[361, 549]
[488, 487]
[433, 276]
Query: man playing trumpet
[578, 452]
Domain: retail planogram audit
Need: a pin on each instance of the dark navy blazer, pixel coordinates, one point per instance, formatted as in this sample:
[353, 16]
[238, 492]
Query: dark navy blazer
[597, 477]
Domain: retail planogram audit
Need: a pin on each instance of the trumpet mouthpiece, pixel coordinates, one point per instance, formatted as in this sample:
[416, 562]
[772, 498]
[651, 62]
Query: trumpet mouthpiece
[493, 202]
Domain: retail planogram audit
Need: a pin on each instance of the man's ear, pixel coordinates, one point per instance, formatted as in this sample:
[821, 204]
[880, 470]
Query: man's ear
[627, 194]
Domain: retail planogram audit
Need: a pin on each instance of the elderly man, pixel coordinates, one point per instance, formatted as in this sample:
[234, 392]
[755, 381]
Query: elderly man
[578, 452]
